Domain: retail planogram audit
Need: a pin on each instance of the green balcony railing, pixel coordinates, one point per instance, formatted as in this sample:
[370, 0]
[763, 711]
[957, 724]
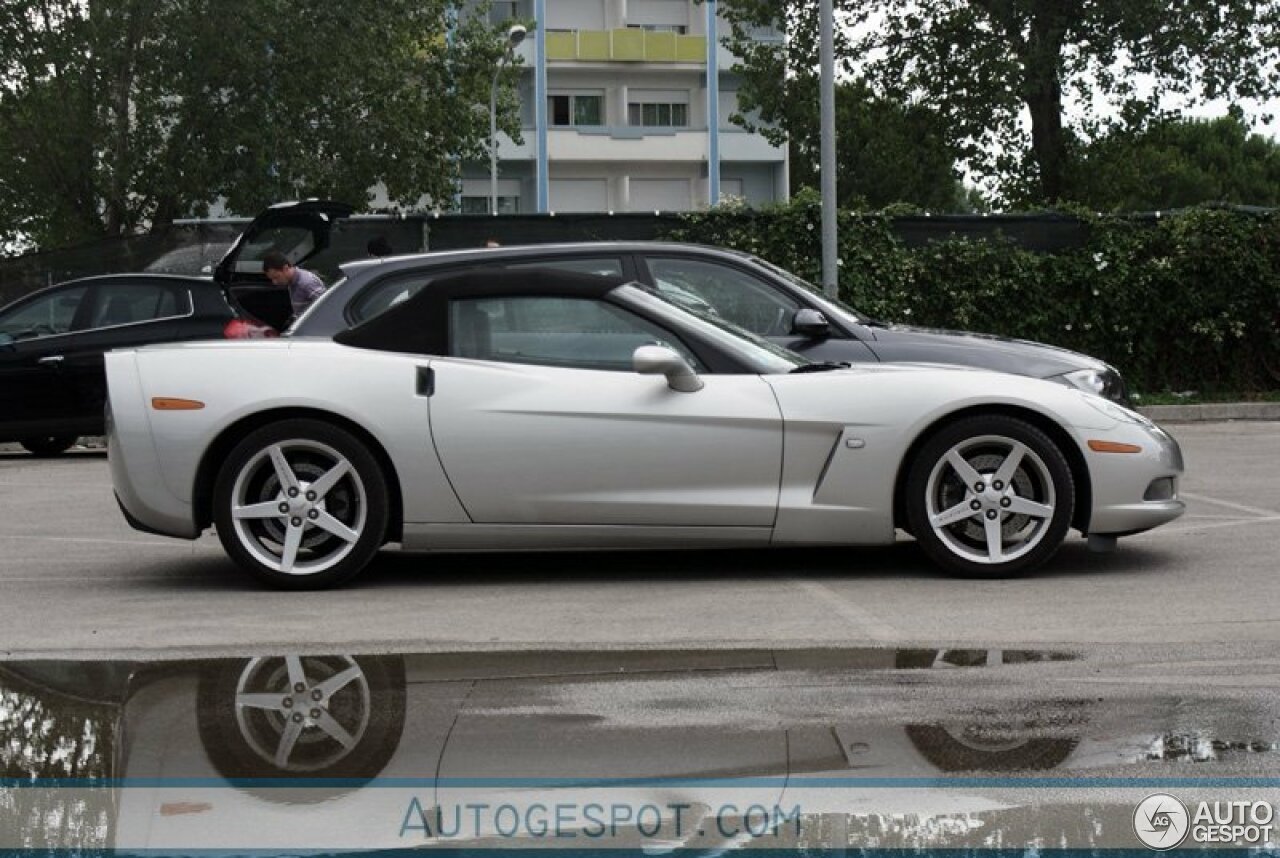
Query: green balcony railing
[625, 45]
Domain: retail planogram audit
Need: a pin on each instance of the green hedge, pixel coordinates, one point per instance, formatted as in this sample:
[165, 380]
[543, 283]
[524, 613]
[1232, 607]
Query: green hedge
[1190, 300]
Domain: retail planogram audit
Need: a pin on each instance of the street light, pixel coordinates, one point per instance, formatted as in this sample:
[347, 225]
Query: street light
[514, 37]
[827, 98]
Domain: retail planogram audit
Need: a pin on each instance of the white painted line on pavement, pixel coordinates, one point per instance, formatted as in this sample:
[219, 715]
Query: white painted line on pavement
[35, 484]
[94, 541]
[1196, 528]
[1229, 505]
[865, 622]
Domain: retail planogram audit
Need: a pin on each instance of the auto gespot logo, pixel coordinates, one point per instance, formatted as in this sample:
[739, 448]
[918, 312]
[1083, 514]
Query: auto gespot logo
[1163, 822]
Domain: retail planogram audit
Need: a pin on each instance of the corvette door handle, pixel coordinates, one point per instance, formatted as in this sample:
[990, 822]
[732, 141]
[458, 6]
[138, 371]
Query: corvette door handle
[50, 360]
[426, 381]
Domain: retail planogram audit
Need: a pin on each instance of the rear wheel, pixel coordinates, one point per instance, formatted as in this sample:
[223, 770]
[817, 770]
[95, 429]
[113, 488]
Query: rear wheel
[301, 504]
[49, 445]
[989, 497]
[306, 718]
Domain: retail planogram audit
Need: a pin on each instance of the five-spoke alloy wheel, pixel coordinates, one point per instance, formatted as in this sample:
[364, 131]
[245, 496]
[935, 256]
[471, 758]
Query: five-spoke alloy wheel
[301, 504]
[990, 496]
[303, 718]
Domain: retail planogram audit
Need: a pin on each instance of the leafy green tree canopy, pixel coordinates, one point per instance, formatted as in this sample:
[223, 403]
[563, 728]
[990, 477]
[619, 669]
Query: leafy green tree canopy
[1176, 163]
[1000, 72]
[886, 152]
[116, 115]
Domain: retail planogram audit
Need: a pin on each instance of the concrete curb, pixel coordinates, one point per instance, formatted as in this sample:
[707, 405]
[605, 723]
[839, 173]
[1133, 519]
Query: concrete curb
[1212, 412]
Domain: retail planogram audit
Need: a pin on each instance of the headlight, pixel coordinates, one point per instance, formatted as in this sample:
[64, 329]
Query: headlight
[1103, 382]
[1118, 412]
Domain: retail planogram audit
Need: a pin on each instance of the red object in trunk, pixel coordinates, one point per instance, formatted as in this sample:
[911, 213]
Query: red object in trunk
[244, 329]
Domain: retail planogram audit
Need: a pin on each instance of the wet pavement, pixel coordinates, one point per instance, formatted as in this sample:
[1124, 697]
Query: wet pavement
[78, 581]
[153, 698]
[653, 751]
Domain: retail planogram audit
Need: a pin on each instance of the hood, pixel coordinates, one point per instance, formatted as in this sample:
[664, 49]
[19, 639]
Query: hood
[905, 343]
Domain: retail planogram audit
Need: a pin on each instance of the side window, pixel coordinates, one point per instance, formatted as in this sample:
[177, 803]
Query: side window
[46, 315]
[127, 303]
[385, 294]
[731, 294]
[564, 332]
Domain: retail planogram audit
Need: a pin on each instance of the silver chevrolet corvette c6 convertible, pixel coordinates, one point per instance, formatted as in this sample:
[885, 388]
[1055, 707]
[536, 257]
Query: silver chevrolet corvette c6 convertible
[535, 409]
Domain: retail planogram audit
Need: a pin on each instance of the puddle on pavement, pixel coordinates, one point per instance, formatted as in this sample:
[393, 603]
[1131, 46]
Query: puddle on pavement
[914, 749]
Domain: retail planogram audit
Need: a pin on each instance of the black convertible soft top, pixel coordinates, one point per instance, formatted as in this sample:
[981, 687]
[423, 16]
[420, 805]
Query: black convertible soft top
[420, 324]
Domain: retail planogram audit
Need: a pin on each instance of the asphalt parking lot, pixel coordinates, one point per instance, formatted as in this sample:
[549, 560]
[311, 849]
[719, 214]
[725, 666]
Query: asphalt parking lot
[78, 581]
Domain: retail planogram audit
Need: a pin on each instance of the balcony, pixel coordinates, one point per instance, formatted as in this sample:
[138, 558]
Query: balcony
[625, 45]
[627, 144]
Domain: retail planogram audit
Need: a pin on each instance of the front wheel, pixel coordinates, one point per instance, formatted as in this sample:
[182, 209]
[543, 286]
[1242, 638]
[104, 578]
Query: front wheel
[989, 497]
[301, 504]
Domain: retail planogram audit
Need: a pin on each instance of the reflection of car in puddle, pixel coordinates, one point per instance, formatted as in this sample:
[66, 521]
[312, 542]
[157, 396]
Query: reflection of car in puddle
[335, 752]
[319, 728]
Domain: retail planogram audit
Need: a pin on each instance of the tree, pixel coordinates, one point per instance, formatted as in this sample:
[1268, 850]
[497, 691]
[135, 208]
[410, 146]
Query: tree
[1175, 163]
[119, 115]
[887, 152]
[1000, 72]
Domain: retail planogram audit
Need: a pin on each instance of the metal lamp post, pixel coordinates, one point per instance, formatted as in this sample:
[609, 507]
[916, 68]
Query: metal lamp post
[514, 37]
[830, 258]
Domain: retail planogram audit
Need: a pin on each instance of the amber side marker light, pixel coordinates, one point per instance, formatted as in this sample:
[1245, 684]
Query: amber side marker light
[1113, 447]
[169, 403]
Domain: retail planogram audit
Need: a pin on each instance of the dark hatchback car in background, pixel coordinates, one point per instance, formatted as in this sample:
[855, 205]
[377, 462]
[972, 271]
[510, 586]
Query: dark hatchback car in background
[53, 385]
[742, 289]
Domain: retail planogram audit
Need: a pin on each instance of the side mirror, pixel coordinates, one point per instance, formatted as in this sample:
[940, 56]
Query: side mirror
[811, 324]
[6, 343]
[660, 360]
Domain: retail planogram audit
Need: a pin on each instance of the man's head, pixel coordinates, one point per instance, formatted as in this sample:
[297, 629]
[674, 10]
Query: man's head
[278, 268]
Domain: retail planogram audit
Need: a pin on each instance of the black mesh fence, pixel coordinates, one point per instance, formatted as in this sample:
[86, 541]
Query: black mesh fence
[195, 248]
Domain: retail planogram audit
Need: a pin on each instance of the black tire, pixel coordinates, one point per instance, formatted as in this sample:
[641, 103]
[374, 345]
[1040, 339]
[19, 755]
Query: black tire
[240, 740]
[993, 742]
[358, 502]
[958, 748]
[1041, 480]
[49, 445]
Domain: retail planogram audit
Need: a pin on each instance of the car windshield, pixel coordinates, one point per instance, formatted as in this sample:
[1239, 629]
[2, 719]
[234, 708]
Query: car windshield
[797, 280]
[761, 355]
[311, 309]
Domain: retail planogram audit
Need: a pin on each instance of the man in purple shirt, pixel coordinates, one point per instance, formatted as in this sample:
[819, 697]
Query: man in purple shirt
[304, 287]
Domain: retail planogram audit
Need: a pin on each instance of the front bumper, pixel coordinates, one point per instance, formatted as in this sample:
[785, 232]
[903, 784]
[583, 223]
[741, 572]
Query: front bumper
[1121, 482]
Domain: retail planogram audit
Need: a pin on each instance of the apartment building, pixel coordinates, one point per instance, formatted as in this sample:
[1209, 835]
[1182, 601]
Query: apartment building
[625, 107]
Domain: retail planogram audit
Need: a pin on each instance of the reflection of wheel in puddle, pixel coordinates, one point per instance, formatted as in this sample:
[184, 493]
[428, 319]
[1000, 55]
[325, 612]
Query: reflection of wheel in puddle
[994, 741]
[302, 717]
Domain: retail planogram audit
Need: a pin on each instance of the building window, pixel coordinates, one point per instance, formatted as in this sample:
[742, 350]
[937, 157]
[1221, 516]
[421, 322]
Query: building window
[502, 11]
[570, 110]
[658, 115]
[681, 29]
[480, 205]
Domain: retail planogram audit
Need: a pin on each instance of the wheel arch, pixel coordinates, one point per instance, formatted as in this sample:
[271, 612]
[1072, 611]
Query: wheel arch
[217, 452]
[1070, 451]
